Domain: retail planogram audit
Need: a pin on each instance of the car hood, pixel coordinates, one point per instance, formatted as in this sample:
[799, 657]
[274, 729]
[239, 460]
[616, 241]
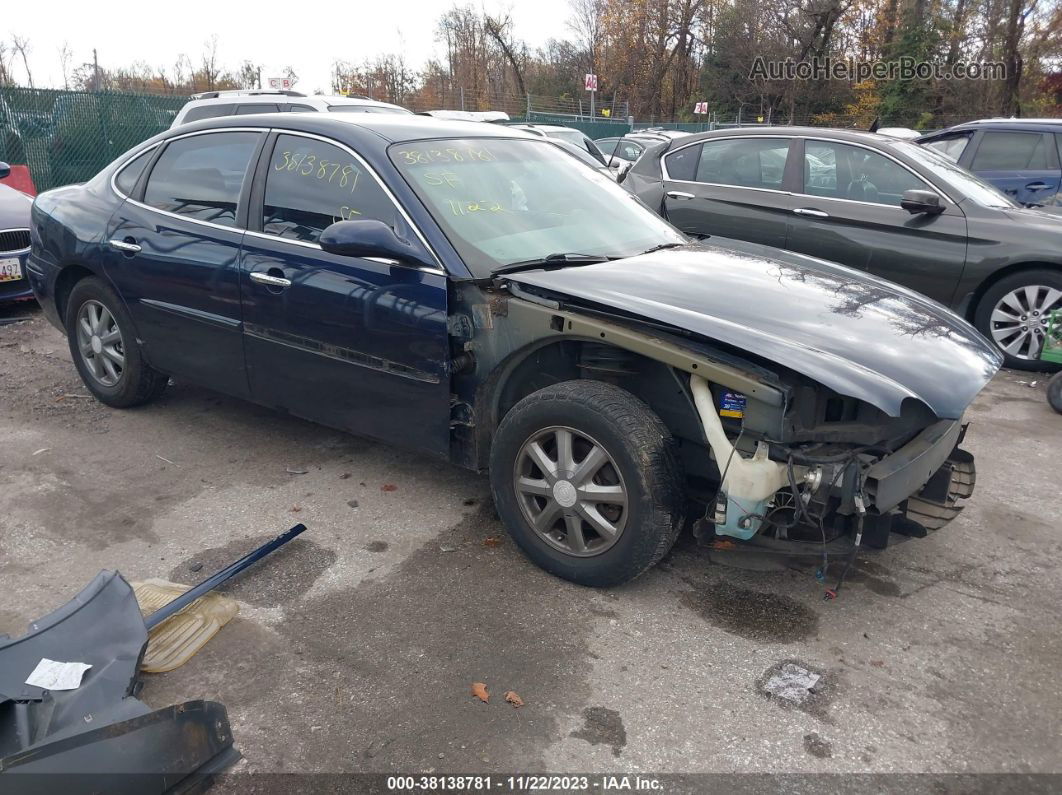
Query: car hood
[859, 335]
[14, 208]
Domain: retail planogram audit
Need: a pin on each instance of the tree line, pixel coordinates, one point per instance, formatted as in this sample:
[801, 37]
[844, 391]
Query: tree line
[656, 58]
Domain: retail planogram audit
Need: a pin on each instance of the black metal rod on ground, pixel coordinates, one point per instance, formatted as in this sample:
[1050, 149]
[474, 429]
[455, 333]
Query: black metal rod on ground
[212, 582]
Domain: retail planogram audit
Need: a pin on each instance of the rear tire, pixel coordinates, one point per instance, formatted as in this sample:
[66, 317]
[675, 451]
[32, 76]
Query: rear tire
[1054, 392]
[104, 347]
[638, 464]
[1013, 312]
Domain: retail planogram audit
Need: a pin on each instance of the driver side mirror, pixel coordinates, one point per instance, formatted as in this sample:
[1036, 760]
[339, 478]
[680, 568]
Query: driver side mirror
[5, 169]
[369, 238]
[921, 201]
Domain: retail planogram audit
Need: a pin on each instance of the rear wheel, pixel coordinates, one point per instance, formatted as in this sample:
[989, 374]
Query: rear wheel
[586, 479]
[1013, 314]
[104, 347]
[1054, 392]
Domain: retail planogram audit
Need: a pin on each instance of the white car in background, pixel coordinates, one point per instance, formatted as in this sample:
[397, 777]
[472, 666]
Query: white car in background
[211, 104]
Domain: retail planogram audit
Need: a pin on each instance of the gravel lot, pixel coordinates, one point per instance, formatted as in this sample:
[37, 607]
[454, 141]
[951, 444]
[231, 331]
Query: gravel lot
[356, 645]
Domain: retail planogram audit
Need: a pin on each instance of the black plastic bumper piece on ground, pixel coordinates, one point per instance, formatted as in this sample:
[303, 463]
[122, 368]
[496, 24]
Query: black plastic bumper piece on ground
[99, 737]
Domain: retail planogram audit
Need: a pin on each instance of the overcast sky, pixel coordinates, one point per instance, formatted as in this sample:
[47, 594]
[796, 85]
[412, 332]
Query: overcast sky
[308, 36]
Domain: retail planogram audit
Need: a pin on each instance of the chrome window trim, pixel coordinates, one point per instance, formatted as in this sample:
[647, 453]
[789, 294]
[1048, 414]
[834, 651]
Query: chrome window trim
[669, 178]
[932, 186]
[383, 185]
[16, 251]
[126, 162]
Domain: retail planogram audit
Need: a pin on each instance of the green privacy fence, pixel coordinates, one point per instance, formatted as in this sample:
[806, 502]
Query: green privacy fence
[68, 136]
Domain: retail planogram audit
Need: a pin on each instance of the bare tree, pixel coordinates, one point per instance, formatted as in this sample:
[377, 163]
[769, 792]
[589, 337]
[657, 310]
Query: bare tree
[209, 70]
[22, 46]
[66, 55]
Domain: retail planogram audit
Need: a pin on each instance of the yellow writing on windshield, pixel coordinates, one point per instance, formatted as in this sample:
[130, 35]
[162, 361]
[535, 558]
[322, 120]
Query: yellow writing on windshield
[467, 207]
[445, 154]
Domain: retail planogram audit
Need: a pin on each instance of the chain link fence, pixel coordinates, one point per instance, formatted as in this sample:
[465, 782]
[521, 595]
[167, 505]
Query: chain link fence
[68, 136]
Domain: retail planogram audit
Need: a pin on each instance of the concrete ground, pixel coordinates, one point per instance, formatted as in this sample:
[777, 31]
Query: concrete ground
[356, 645]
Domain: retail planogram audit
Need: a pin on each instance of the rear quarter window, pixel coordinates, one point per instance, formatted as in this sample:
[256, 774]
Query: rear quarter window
[209, 112]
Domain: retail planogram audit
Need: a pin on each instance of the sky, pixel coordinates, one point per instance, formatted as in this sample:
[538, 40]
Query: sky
[306, 36]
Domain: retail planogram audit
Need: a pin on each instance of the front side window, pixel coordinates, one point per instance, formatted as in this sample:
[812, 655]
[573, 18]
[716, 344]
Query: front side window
[841, 171]
[1010, 151]
[201, 176]
[312, 184]
[951, 147]
[506, 200]
[740, 162]
[128, 176]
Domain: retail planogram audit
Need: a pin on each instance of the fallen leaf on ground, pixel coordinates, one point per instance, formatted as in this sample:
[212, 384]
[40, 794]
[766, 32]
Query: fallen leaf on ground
[492, 541]
[514, 699]
[878, 663]
[479, 690]
[344, 476]
[388, 487]
[295, 509]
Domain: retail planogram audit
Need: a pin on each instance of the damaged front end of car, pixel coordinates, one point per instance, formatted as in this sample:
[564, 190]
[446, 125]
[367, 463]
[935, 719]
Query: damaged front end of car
[803, 428]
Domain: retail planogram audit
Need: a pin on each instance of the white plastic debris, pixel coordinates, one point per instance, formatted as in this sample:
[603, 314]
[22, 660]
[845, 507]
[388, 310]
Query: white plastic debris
[52, 675]
[792, 683]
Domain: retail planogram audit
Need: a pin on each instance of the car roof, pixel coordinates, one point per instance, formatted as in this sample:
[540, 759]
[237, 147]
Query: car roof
[840, 134]
[546, 128]
[281, 98]
[386, 127]
[1040, 125]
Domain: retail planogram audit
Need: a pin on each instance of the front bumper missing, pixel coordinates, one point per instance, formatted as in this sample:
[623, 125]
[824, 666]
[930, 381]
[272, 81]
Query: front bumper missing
[909, 470]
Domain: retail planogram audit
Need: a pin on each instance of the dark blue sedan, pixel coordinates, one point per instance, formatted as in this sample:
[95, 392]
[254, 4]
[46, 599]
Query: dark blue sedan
[479, 295]
[14, 241]
[1021, 157]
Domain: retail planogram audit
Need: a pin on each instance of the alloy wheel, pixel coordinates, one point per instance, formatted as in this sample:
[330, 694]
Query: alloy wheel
[100, 341]
[571, 491]
[1019, 320]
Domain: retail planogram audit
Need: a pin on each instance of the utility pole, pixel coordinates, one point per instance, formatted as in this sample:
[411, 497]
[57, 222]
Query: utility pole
[96, 71]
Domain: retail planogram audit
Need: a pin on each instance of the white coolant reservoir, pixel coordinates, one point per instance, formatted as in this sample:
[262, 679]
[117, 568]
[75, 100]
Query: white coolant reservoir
[748, 483]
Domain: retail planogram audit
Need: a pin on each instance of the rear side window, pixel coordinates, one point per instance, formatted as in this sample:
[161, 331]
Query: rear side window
[209, 112]
[682, 165]
[365, 109]
[744, 162]
[312, 184]
[951, 147]
[201, 176]
[128, 176]
[300, 108]
[259, 107]
[1010, 151]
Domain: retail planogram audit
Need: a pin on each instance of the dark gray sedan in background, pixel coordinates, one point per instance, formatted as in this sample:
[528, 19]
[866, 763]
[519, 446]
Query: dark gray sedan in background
[878, 204]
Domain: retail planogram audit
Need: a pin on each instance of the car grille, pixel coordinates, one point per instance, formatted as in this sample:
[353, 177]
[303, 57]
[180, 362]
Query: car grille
[14, 240]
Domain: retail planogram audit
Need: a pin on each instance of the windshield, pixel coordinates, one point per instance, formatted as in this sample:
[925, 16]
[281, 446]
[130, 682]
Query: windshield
[503, 200]
[952, 173]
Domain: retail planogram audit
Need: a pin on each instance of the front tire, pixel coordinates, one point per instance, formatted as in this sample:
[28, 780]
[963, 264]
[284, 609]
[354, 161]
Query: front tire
[104, 347]
[1013, 315]
[587, 481]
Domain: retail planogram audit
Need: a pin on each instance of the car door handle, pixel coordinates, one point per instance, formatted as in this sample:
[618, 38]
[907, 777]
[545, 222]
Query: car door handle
[678, 194]
[1036, 186]
[811, 212]
[126, 246]
[270, 281]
